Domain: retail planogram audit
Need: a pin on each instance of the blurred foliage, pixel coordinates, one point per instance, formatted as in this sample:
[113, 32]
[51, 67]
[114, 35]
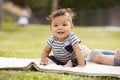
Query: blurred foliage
[39, 7]
[44, 6]
[88, 4]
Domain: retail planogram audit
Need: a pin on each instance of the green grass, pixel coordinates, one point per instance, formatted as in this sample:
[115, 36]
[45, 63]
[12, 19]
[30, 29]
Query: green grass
[28, 42]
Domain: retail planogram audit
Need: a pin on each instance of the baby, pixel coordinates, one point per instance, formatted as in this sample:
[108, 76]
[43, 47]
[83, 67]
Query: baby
[63, 42]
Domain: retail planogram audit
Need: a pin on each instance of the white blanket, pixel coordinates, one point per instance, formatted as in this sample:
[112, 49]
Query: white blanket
[91, 69]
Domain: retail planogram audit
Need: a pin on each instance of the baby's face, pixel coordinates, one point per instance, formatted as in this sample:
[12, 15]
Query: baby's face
[61, 27]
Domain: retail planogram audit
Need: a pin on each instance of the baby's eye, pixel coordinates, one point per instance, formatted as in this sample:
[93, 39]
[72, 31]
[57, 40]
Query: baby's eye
[55, 25]
[64, 24]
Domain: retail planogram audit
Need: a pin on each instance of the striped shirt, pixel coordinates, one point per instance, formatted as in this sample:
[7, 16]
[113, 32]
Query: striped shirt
[63, 51]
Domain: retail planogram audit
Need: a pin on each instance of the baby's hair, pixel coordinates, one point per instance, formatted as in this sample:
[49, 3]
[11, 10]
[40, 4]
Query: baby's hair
[60, 12]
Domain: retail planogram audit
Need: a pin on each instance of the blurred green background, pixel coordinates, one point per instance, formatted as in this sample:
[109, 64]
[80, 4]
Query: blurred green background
[96, 25]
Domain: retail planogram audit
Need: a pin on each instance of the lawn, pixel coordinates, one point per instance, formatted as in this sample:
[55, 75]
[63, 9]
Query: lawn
[28, 42]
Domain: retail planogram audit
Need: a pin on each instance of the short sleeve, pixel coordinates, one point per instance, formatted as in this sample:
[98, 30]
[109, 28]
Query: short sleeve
[49, 41]
[74, 39]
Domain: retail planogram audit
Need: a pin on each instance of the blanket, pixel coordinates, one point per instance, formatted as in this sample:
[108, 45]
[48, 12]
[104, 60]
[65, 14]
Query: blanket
[90, 69]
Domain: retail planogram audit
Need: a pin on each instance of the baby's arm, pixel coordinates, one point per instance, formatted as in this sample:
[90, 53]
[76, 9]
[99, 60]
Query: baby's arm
[44, 55]
[79, 55]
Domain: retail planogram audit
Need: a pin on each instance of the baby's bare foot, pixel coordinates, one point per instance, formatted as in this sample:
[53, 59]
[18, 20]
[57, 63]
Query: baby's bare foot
[94, 56]
[68, 64]
[117, 58]
[117, 54]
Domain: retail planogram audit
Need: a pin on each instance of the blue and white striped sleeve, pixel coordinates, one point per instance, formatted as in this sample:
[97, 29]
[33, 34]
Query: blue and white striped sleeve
[74, 39]
[49, 42]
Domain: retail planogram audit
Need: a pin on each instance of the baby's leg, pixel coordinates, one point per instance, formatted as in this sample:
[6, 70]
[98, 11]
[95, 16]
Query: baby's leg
[68, 64]
[97, 57]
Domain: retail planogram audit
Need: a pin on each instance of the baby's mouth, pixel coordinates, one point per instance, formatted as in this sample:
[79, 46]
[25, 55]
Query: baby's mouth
[60, 32]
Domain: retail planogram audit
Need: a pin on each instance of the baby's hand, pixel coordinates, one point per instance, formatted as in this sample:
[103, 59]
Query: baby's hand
[44, 62]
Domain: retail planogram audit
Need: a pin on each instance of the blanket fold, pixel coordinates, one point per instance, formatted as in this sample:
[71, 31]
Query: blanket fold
[91, 69]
